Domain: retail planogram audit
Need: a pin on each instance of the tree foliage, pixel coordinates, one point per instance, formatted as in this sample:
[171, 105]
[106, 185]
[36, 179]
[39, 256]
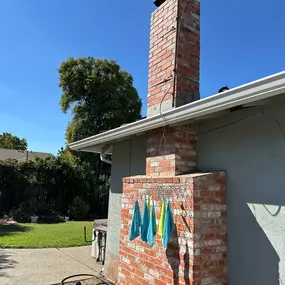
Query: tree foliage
[54, 181]
[10, 141]
[100, 95]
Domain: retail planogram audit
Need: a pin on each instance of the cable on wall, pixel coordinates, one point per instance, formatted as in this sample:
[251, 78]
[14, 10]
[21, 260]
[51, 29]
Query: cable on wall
[246, 118]
[179, 21]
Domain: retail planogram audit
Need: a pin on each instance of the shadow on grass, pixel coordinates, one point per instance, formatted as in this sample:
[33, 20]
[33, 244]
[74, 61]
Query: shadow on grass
[6, 262]
[7, 230]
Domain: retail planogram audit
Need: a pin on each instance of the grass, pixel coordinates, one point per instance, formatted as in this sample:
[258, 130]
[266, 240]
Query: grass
[44, 235]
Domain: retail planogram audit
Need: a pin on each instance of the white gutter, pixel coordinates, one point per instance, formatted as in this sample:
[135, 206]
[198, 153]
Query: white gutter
[264, 88]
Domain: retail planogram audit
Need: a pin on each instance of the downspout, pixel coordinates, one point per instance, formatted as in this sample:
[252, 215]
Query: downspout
[103, 154]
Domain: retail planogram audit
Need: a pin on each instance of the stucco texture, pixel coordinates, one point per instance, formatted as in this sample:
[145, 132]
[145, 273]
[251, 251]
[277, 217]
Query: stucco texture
[251, 149]
[252, 152]
[128, 159]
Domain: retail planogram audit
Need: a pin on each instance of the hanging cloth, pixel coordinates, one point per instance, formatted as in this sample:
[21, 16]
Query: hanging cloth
[145, 222]
[136, 223]
[162, 219]
[148, 205]
[152, 226]
[168, 225]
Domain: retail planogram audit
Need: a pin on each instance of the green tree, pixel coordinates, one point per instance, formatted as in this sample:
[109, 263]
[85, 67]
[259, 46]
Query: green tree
[100, 95]
[53, 181]
[9, 141]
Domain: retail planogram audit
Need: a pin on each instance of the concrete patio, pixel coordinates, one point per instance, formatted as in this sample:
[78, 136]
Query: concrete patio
[45, 266]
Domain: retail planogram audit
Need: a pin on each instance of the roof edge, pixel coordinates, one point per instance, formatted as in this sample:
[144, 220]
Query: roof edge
[260, 89]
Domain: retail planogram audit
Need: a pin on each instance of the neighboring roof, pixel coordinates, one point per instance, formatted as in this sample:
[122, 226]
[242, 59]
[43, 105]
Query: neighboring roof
[254, 91]
[20, 155]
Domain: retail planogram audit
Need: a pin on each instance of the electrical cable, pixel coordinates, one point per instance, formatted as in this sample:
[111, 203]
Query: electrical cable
[179, 21]
[175, 79]
[160, 106]
[245, 118]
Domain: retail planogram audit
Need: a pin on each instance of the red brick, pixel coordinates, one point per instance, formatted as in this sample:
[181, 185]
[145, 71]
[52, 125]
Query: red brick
[216, 271]
[138, 272]
[166, 279]
[173, 149]
[159, 282]
[142, 281]
[151, 265]
[150, 252]
[160, 269]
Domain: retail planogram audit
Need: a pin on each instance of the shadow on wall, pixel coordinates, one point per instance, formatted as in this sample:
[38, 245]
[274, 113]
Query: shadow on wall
[173, 257]
[187, 268]
[257, 260]
[253, 154]
[6, 263]
[172, 253]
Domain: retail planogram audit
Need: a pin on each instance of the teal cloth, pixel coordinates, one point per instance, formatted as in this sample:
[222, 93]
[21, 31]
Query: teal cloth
[168, 225]
[136, 223]
[145, 222]
[152, 226]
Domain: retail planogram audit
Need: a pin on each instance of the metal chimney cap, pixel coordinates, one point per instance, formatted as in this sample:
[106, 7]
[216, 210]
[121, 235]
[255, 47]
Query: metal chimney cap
[157, 3]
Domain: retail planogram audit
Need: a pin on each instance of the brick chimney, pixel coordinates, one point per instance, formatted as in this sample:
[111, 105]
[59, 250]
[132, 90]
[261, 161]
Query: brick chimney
[174, 59]
[173, 81]
[197, 251]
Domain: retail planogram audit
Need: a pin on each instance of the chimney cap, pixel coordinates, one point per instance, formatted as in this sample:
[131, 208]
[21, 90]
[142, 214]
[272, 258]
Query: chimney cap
[157, 3]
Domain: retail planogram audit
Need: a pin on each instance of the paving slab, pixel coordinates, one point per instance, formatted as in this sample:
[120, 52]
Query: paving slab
[45, 266]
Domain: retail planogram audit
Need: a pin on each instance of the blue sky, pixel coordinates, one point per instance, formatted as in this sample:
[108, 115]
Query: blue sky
[240, 41]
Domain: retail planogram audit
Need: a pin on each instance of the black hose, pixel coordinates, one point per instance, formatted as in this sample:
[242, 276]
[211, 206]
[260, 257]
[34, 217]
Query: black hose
[89, 275]
[76, 275]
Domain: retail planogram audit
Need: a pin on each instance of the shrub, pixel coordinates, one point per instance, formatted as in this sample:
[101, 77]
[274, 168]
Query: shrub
[42, 209]
[79, 209]
[20, 215]
[24, 212]
[52, 218]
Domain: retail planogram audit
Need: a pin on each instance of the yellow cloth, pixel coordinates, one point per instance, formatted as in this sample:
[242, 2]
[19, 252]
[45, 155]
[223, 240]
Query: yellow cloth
[162, 218]
[148, 205]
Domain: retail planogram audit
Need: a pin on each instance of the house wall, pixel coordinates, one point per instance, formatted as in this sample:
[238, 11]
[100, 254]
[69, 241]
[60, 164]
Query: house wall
[128, 159]
[253, 154]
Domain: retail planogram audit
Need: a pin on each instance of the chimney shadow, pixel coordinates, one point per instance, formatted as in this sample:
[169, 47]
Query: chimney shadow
[187, 267]
[173, 257]
[172, 254]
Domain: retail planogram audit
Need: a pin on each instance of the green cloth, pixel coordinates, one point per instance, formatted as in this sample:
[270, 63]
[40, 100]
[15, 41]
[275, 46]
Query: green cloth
[136, 223]
[152, 226]
[169, 226]
[145, 222]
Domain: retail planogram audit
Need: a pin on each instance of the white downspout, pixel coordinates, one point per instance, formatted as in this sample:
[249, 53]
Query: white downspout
[103, 153]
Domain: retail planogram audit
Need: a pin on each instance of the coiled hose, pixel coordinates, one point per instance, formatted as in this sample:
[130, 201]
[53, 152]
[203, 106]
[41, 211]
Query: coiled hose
[79, 283]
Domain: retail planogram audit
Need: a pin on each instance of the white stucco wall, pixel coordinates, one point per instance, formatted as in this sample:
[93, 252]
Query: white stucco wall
[253, 154]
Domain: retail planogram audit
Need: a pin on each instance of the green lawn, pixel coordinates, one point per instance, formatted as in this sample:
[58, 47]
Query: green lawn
[44, 235]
